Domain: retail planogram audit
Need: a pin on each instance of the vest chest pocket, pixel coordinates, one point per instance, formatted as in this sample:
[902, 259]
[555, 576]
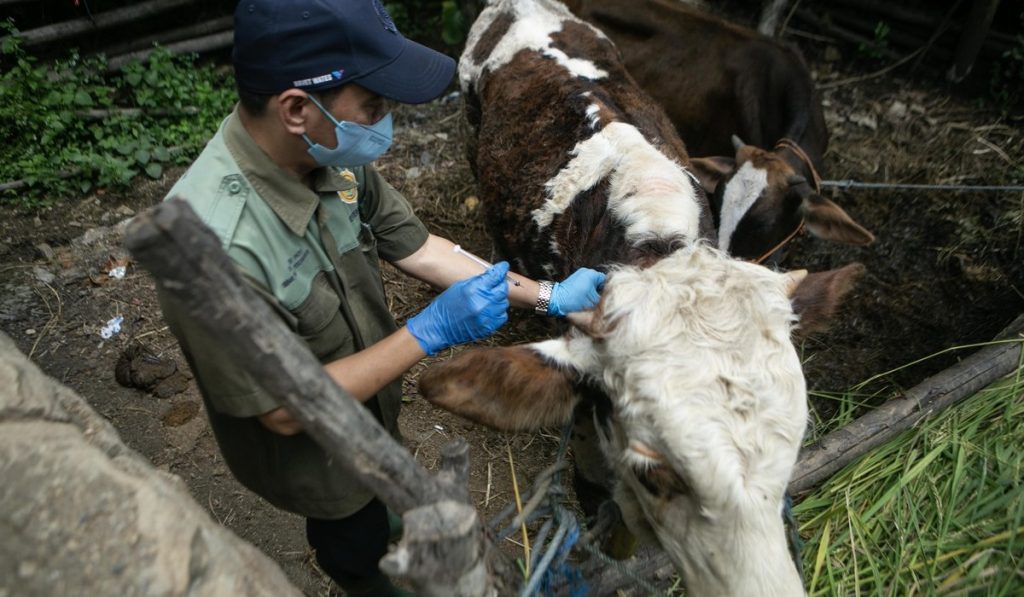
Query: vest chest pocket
[320, 322]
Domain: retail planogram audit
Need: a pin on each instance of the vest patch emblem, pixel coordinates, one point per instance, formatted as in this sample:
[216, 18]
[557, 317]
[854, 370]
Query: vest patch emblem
[349, 196]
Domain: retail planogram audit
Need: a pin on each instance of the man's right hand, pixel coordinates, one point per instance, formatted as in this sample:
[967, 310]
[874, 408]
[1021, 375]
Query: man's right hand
[468, 310]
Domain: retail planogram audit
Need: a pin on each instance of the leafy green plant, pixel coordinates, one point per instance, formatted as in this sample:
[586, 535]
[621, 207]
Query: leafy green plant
[876, 48]
[70, 126]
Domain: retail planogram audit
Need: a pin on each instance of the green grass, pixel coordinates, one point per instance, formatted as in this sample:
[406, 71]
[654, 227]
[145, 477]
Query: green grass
[938, 510]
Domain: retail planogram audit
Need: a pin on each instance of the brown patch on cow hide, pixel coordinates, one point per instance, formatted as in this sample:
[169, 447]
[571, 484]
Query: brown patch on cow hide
[819, 295]
[725, 79]
[508, 388]
[490, 38]
[532, 113]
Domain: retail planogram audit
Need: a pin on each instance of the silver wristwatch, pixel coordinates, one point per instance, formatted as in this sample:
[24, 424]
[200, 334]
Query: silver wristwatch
[544, 296]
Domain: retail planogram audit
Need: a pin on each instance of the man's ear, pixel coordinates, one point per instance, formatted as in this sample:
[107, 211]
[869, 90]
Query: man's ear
[712, 171]
[817, 296]
[293, 110]
[511, 388]
[826, 220]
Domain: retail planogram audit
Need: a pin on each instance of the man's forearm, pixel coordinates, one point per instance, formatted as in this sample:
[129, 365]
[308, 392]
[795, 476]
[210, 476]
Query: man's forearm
[437, 263]
[362, 374]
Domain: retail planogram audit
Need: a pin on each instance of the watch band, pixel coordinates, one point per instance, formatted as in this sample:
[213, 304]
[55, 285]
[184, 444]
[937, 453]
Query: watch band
[544, 289]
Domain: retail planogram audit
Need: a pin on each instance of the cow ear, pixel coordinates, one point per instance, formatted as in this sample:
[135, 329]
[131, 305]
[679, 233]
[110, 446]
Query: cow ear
[817, 296]
[828, 221]
[512, 388]
[712, 171]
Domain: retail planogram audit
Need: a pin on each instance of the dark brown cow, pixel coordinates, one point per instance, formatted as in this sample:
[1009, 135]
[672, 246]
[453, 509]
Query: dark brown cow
[720, 83]
[695, 397]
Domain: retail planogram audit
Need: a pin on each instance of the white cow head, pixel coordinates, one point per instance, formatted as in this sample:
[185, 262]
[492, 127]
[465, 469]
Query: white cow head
[709, 404]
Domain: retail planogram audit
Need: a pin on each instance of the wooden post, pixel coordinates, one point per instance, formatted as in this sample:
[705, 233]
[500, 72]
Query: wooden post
[973, 37]
[771, 17]
[445, 551]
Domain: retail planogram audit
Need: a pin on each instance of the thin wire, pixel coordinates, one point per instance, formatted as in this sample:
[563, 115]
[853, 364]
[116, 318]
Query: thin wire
[853, 184]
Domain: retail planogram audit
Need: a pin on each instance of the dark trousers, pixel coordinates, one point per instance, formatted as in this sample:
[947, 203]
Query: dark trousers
[349, 549]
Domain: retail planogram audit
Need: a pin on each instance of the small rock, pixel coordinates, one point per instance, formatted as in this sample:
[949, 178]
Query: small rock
[30, 332]
[75, 224]
[897, 111]
[441, 136]
[471, 203]
[93, 235]
[37, 222]
[106, 217]
[44, 275]
[45, 250]
[865, 120]
[412, 173]
[124, 210]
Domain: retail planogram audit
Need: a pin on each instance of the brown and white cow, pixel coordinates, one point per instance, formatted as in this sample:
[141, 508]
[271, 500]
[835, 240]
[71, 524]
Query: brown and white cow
[695, 389]
[719, 83]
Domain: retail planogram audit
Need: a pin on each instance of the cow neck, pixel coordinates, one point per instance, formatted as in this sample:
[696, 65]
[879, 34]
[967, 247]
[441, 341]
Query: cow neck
[801, 155]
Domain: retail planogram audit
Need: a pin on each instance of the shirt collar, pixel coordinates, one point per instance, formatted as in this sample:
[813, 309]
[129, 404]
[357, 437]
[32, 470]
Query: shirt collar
[292, 201]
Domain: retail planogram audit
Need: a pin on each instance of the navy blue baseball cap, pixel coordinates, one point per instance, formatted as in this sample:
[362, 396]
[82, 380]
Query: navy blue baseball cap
[318, 44]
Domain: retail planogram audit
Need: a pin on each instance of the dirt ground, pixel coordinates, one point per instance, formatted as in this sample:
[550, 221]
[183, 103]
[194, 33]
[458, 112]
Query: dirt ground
[946, 270]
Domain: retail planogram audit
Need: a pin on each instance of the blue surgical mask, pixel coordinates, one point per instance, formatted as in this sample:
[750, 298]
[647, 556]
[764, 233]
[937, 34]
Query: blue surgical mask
[358, 144]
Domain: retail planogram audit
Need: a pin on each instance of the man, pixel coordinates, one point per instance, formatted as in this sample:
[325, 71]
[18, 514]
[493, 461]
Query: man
[288, 186]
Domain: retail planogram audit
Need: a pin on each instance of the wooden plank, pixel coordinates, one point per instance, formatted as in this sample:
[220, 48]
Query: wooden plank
[165, 37]
[202, 44]
[100, 21]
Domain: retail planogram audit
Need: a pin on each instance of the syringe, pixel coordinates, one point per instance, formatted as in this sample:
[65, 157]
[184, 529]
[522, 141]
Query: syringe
[460, 250]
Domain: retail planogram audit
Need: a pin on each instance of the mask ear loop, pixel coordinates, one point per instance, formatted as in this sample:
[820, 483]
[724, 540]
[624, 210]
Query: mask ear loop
[325, 113]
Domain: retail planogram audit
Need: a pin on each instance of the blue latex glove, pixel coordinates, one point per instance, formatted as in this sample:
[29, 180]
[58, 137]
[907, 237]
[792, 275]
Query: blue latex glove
[469, 310]
[578, 292]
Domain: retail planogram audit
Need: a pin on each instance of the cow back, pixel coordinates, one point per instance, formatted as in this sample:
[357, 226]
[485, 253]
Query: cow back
[540, 87]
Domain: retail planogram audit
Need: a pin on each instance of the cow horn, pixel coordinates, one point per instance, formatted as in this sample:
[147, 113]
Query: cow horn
[737, 142]
[793, 279]
[796, 179]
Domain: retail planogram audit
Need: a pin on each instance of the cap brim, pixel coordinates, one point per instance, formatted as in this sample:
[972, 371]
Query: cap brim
[417, 75]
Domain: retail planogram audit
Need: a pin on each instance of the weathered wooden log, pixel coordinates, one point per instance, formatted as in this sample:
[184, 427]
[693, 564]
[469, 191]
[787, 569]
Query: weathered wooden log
[821, 460]
[206, 43]
[100, 21]
[165, 37]
[442, 552]
[888, 10]
[102, 114]
[444, 549]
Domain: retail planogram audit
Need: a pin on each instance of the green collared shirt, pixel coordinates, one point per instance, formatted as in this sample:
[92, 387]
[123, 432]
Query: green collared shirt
[312, 252]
